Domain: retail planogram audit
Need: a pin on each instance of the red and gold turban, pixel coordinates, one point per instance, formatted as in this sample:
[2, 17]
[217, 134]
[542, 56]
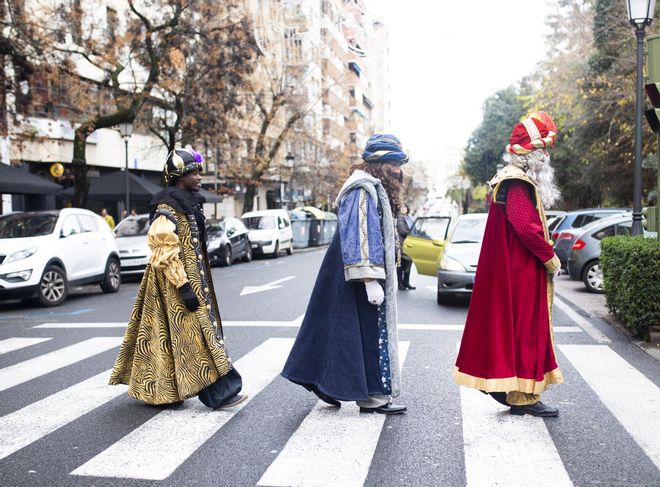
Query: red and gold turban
[537, 131]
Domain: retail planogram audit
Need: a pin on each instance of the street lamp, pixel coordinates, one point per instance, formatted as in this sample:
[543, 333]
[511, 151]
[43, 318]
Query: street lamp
[640, 14]
[126, 130]
[289, 158]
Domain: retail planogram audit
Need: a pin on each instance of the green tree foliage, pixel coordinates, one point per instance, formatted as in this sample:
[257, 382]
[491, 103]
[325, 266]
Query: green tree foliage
[486, 144]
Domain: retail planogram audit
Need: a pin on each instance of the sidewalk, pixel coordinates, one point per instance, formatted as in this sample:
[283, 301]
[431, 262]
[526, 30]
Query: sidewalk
[594, 305]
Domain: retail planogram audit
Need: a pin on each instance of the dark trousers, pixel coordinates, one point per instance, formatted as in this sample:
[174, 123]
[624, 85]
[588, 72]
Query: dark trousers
[221, 390]
[403, 271]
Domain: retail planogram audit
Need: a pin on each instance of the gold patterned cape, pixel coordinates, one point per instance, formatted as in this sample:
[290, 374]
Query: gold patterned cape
[168, 353]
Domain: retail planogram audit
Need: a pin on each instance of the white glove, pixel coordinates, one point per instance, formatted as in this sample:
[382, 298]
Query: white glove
[375, 293]
[556, 274]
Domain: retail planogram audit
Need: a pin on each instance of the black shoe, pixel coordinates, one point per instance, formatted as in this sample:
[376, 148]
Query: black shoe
[388, 408]
[325, 398]
[539, 410]
[402, 287]
[408, 286]
[499, 397]
[233, 401]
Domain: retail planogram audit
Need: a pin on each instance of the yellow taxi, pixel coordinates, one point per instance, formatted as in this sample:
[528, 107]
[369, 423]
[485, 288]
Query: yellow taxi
[426, 239]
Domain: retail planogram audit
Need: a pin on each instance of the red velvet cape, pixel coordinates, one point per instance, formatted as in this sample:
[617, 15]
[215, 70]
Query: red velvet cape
[507, 344]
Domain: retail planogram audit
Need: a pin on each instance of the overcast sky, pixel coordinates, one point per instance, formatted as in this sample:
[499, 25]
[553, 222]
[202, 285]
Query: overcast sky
[447, 57]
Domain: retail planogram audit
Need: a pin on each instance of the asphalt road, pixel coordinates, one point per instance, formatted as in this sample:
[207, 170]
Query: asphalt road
[61, 425]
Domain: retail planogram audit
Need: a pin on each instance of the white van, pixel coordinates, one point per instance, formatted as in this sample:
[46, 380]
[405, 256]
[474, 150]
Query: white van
[270, 231]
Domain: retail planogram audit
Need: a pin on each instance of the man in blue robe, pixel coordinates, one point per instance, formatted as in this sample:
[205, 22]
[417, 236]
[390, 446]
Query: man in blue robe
[347, 347]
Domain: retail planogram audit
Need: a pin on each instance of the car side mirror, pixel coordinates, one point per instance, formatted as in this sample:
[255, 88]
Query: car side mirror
[66, 234]
[231, 232]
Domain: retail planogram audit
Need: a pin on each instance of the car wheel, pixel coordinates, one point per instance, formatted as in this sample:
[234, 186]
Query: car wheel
[276, 252]
[248, 254]
[592, 276]
[229, 259]
[445, 299]
[53, 287]
[112, 278]
[289, 251]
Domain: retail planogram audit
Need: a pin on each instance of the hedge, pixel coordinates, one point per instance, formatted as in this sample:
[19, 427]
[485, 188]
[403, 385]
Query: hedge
[631, 272]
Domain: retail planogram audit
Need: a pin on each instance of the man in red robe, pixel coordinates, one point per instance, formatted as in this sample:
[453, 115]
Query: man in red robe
[507, 346]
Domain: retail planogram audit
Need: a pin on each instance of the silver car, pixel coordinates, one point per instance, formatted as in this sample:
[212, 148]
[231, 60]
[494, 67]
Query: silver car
[584, 258]
[457, 263]
[134, 252]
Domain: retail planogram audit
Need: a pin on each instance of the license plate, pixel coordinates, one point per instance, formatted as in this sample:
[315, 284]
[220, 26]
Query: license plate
[133, 262]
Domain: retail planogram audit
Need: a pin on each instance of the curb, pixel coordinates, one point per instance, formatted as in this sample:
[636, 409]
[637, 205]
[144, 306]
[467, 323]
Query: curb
[654, 352]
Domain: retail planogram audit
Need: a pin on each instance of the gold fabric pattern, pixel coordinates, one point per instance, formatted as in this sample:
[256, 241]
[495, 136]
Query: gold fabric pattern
[164, 245]
[168, 353]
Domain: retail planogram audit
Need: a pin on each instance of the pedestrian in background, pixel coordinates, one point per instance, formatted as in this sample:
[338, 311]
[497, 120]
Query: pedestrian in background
[507, 346]
[174, 346]
[347, 346]
[403, 225]
[108, 218]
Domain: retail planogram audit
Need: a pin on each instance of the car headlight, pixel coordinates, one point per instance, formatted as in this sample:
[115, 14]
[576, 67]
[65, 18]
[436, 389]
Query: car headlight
[449, 264]
[213, 245]
[17, 276]
[20, 255]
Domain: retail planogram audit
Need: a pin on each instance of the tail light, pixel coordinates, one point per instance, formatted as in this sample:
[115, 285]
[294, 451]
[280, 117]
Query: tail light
[555, 235]
[564, 235]
[578, 245]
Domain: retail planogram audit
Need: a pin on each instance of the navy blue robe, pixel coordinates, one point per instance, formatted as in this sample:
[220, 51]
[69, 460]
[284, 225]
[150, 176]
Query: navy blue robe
[337, 348]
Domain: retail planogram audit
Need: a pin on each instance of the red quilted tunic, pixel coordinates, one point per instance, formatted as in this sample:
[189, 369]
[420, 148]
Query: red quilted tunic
[507, 343]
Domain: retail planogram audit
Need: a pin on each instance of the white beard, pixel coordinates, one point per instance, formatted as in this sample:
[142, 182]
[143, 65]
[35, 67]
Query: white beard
[537, 166]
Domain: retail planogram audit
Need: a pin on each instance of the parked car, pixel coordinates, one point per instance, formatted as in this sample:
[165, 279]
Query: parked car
[227, 240]
[584, 259]
[269, 232]
[426, 239]
[457, 262]
[43, 253]
[564, 240]
[134, 252]
[580, 218]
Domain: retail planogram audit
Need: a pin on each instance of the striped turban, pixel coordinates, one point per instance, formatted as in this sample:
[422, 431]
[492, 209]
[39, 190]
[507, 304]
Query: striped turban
[537, 131]
[384, 148]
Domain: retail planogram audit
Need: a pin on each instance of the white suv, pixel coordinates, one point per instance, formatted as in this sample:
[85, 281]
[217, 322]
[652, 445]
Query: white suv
[42, 253]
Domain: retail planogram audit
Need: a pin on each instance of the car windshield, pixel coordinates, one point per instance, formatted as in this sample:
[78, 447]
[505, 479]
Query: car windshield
[21, 225]
[469, 230]
[260, 222]
[215, 226]
[132, 227]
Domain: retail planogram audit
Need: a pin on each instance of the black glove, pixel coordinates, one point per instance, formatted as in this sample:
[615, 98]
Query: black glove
[189, 297]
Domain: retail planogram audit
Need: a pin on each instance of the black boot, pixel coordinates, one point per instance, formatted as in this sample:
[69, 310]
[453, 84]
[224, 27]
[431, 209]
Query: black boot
[539, 410]
[499, 397]
[322, 396]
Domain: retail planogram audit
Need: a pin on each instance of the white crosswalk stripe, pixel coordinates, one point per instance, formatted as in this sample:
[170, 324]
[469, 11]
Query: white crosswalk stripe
[11, 344]
[331, 447]
[33, 422]
[502, 449]
[44, 364]
[155, 449]
[632, 398]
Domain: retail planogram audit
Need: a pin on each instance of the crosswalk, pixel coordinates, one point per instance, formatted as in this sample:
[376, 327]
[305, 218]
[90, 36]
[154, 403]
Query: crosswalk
[327, 446]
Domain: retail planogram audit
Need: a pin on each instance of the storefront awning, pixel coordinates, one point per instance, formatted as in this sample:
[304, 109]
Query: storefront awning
[16, 181]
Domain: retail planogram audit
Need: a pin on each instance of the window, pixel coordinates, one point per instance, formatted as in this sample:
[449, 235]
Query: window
[605, 232]
[469, 230]
[624, 228]
[260, 222]
[22, 225]
[132, 227]
[87, 223]
[70, 226]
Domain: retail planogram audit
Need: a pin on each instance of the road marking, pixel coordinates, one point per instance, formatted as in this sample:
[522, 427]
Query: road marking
[330, 447]
[631, 397]
[157, 448]
[580, 321]
[295, 324]
[44, 364]
[11, 344]
[119, 324]
[265, 287]
[503, 449]
[33, 422]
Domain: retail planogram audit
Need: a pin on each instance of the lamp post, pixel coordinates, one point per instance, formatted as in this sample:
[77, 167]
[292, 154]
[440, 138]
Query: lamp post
[289, 158]
[640, 14]
[126, 130]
